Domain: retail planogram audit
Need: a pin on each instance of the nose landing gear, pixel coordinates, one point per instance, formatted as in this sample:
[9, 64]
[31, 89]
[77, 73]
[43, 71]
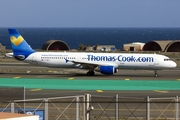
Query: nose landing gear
[155, 73]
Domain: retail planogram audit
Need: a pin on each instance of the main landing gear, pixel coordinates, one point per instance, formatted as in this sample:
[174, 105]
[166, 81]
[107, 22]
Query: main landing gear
[155, 73]
[90, 73]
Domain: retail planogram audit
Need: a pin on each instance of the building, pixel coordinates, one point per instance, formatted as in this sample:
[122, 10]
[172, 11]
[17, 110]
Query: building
[106, 47]
[135, 46]
[162, 45]
[55, 45]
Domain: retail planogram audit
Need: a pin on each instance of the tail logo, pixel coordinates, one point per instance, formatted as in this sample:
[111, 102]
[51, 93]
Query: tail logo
[16, 41]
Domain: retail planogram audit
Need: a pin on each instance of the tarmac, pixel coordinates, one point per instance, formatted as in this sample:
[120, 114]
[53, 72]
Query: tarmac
[54, 82]
[133, 87]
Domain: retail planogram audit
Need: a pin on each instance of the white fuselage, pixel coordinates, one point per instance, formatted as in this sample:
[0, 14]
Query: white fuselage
[84, 60]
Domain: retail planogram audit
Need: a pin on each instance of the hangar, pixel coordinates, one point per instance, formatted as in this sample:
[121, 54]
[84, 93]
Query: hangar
[173, 46]
[135, 46]
[55, 45]
[162, 45]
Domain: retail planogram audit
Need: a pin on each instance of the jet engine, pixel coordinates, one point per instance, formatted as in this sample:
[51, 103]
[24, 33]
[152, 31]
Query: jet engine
[106, 70]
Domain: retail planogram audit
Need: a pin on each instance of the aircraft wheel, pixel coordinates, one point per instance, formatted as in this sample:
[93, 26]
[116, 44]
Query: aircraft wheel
[90, 73]
[155, 73]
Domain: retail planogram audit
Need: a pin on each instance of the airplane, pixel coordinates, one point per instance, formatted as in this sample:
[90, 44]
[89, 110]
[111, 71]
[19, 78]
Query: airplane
[105, 63]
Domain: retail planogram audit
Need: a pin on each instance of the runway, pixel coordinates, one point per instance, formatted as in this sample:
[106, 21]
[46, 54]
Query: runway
[54, 84]
[23, 71]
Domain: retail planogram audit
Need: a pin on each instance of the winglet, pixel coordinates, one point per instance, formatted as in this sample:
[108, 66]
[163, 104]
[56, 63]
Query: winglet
[21, 49]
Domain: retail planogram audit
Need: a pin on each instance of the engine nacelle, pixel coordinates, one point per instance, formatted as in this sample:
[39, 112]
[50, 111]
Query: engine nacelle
[107, 70]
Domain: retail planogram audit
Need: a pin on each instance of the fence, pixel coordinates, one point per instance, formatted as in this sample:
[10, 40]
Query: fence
[94, 107]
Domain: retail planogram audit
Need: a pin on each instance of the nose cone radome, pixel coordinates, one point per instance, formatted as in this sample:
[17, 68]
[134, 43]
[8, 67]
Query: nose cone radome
[173, 64]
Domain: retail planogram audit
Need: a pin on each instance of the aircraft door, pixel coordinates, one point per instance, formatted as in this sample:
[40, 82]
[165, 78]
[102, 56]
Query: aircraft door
[33, 58]
[156, 61]
[79, 58]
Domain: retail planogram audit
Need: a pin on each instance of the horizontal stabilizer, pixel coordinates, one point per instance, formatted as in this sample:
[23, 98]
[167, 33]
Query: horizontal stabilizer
[9, 55]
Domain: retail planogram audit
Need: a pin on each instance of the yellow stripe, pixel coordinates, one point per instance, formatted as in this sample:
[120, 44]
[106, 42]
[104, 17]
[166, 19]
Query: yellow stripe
[70, 78]
[99, 90]
[161, 91]
[127, 79]
[17, 77]
[35, 90]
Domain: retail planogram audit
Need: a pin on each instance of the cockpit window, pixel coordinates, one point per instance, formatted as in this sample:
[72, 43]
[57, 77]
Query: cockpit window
[167, 59]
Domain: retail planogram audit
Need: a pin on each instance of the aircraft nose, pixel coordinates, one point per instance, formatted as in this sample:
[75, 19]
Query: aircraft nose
[173, 64]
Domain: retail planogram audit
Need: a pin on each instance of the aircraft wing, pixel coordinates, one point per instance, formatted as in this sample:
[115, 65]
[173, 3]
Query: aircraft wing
[93, 65]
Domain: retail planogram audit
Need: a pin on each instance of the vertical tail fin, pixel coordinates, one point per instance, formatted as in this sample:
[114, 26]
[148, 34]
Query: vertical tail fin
[21, 49]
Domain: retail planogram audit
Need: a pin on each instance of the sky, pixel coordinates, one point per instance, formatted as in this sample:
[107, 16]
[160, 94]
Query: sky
[89, 13]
